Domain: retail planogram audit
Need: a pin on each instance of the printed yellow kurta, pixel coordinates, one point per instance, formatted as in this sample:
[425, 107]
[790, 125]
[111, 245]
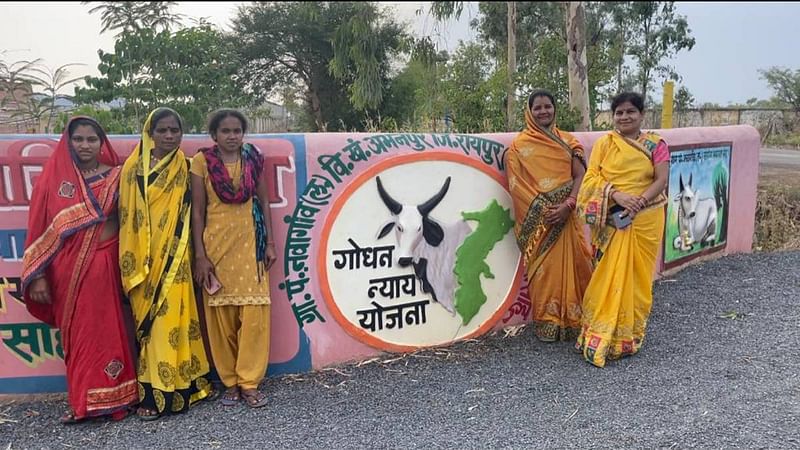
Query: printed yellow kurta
[238, 315]
[155, 260]
[539, 165]
[617, 302]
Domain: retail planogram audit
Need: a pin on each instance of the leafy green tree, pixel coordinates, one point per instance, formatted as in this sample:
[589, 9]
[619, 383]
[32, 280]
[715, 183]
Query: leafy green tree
[785, 83]
[542, 47]
[656, 33]
[128, 17]
[194, 70]
[340, 52]
[683, 99]
[114, 121]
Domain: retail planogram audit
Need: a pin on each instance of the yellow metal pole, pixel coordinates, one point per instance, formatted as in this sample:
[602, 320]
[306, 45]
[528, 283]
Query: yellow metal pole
[666, 109]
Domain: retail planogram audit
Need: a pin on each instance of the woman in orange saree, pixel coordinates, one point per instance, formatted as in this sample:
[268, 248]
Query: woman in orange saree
[628, 168]
[545, 167]
[70, 271]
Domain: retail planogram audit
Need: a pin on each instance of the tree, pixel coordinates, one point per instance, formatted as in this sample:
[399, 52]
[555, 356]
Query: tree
[785, 84]
[474, 92]
[194, 70]
[576, 62]
[15, 80]
[52, 81]
[542, 48]
[128, 17]
[683, 99]
[339, 51]
[511, 59]
[656, 33]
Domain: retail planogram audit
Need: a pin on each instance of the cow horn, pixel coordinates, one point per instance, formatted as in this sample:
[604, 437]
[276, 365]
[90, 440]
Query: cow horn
[394, 206]
[428, 206]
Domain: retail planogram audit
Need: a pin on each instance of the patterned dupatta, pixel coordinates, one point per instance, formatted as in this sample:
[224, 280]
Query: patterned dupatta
[253, 165]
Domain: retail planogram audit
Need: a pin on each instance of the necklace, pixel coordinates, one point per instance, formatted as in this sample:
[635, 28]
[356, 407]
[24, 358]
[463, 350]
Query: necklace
[92, 170]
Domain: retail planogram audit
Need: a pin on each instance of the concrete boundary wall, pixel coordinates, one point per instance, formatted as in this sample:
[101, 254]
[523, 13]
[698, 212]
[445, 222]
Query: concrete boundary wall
[343, 288]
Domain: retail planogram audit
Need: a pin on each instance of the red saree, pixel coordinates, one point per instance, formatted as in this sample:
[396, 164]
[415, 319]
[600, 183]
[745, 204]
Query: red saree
[66, 218]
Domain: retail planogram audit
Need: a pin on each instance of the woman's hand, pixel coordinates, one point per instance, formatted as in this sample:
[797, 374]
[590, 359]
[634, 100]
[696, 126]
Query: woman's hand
[203, 268]
[632, 204]
[272, 256]
[557, 214]
[39, 291]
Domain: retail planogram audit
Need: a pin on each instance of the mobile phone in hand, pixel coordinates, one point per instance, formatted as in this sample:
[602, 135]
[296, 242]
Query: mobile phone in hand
[616, 218]
[214, 286]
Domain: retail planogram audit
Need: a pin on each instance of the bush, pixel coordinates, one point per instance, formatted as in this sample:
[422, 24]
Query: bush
[777, 218]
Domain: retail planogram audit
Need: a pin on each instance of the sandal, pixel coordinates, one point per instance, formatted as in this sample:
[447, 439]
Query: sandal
[231, 396]
[213, 395]
[147, 414]
[68, 419]
[254, 398]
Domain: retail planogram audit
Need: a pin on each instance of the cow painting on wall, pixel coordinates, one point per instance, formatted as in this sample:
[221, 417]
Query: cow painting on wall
[697, 214]
[425, 244]
[435, 260]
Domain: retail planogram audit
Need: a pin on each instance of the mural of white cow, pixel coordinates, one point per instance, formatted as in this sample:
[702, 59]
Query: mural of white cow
[425, 244]
[697, 217]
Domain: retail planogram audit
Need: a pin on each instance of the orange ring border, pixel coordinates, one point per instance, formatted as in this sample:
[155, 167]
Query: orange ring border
[333, 213]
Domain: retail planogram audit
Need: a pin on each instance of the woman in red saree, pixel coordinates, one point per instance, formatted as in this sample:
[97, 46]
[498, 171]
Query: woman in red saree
[70, 270]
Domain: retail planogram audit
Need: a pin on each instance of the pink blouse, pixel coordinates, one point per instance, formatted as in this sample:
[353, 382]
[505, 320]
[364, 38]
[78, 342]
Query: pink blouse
[661, 153]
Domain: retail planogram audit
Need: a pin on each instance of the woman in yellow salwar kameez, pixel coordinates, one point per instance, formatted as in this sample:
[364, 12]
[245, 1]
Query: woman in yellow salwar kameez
[629, 168]
[545, 166]
[155, 215]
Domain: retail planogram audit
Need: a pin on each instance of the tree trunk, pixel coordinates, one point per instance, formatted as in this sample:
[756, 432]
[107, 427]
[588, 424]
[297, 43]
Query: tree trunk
[512, 65]
[576, 63]
[316, 109]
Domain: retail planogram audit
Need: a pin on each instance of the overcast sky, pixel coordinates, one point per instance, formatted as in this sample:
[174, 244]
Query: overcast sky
[734, 40]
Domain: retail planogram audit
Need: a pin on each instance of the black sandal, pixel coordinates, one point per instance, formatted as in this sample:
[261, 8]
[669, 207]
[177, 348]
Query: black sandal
[147, 414]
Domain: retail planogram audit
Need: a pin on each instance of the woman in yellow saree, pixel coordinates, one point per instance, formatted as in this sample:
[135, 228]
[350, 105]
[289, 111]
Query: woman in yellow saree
[155, 209]
[545, 167]
[628, 169]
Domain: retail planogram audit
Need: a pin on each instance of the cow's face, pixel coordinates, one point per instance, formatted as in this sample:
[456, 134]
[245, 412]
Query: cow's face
[411, 223]
[688, 198]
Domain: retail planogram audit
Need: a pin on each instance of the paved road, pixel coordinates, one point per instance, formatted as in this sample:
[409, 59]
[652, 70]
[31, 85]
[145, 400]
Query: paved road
[779, 158]
[720, 369]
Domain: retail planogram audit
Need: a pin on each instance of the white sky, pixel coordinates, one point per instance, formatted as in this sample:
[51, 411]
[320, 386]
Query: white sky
[734, 40]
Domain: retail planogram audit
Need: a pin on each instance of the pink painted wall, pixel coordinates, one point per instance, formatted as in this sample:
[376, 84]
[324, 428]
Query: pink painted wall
[305, 334]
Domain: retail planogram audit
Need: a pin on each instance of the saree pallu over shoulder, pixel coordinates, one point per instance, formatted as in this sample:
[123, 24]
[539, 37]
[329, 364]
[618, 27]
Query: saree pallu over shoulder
[539, 166]
[62, 204]
[618, 300]
[155, 216]
[616, 163]
[66, 220]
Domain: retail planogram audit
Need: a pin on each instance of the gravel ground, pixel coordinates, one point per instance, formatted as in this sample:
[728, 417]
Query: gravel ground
[720, 369]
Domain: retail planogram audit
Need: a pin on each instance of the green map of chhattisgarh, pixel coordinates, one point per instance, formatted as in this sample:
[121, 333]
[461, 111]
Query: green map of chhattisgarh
[493, 224]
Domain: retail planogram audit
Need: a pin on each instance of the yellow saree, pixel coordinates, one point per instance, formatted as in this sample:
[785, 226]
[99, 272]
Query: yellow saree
[154, 253]
[617, 302]
[539, 166]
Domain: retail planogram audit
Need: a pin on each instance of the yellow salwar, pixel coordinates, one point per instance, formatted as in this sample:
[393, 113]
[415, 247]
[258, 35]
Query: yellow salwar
[539, 166]
[239, 340]
[155, 260]
[238, 315]
[617, 302]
